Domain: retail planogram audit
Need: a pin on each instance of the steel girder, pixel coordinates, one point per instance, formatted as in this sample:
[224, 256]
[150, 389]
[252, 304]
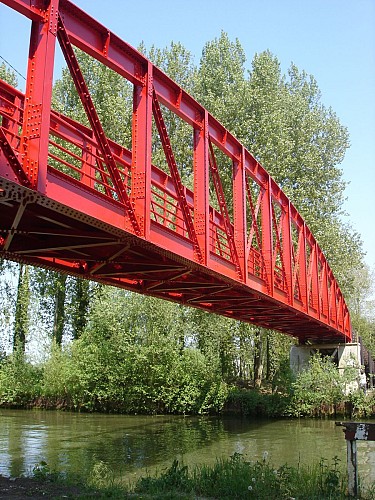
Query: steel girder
[74, 201]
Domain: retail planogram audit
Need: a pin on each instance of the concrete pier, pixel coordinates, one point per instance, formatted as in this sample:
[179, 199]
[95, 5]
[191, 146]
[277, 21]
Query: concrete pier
[343, 355]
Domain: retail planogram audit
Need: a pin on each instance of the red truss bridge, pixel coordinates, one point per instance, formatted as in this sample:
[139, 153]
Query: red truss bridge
[74, 201]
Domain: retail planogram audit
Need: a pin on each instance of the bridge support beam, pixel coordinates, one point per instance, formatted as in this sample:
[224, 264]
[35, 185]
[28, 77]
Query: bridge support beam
[36, 122]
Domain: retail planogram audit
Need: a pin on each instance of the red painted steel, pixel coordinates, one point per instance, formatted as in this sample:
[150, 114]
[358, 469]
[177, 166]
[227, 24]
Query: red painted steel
[74, 201]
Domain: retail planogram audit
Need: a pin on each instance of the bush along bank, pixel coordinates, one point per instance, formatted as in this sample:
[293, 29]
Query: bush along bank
[153, 379]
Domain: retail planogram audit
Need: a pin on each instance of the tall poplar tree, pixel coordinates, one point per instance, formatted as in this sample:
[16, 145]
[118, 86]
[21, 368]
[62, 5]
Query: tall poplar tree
[282, 121]
[21, 316]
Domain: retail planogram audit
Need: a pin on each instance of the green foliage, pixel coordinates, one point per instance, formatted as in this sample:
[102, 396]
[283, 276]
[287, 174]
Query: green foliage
[320, 388]
[132, 362]
[238, 478]
[283, 377]
[19, 380]
[101, 476]
[42, 472]
[254, 403]
[8, 75]
[363, 405]
[21, 316]
[82, 293]
[362, 305]
[7, 302]
[109, 91]
[221, 86]
[235, 477]
[57, 373]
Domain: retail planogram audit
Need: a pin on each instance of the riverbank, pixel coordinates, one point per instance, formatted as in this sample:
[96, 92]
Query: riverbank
[22, 488]
[227, 479]
[239, 402]
[191, 390]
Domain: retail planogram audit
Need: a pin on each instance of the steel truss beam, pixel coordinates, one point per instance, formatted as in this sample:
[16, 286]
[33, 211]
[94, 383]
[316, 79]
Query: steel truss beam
[74, 201]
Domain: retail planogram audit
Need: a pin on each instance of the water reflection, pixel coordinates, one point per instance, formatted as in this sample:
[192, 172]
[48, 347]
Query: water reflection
[132, 445]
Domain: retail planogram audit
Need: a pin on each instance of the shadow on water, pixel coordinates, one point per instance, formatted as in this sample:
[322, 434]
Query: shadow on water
[132, 445]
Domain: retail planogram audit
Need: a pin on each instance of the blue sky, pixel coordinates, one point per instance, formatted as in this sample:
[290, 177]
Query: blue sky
[334, 40]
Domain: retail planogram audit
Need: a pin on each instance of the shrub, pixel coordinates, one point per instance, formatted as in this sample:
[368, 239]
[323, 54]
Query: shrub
[238, 478]
[20, 381]
[255, 403]
[319, 389]
[113, 374]
[362, 404]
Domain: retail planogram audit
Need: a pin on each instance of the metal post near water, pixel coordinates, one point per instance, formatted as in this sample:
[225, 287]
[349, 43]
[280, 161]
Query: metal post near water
[355, 431]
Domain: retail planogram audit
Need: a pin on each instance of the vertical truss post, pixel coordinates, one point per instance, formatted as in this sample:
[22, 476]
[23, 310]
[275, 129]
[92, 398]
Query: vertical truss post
[201, 187]
[239, 203]
[254, 230]
[141, 152]
[347, 325]
[333, 302]
[36, 124]
[279, 249]
[340, 310]
[224, 209]
[267, 240]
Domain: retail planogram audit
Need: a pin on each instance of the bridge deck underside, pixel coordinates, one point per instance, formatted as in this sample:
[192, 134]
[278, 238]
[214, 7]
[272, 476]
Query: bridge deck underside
[39, 231]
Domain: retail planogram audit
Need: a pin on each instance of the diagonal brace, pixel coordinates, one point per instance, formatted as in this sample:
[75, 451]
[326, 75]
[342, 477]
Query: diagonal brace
[223, 208]
[162, 129]
[95, 123]
[255, 229]
[279, 248]
[11, 156]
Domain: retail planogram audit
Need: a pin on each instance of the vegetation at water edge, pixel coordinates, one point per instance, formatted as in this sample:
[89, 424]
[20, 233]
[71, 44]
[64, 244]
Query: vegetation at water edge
[235, 477]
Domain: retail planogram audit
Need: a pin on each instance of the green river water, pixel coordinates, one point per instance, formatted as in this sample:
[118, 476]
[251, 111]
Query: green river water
[131, 446]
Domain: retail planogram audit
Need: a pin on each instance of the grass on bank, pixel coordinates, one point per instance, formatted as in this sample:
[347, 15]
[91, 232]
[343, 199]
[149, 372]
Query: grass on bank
[230, 478]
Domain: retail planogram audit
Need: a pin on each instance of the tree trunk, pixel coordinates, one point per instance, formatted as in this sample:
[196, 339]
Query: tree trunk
[81, 302]
[59, 316]
[21, 317]
[258, 359]
[268, 357]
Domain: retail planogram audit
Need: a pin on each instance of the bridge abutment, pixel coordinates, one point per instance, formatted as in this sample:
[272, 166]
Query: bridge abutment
[347, 355]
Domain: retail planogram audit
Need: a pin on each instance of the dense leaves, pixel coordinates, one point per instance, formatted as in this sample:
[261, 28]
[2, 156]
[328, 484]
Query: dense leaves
[132, 365]
[362, 306]
[19, 380]
[8, 75]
